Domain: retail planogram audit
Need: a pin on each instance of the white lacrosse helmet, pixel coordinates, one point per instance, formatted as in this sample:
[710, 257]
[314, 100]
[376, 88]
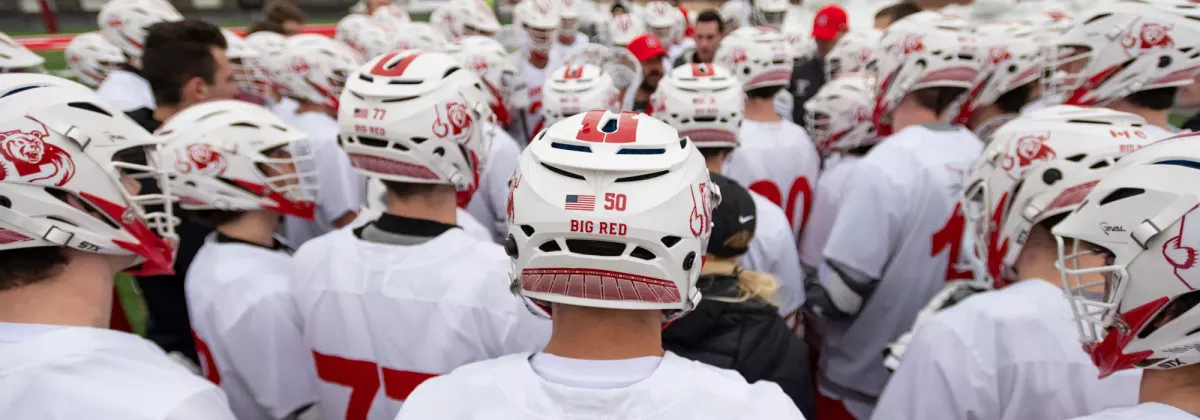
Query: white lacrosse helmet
[611, 211]
[920, 51]
[851, 53]
[349, 25]
[316, 68]
[488, 58]
[757, 56]
[392, 16]
[417, 117]
[1139, 310]
[266, 42]
[734, 14]
[15, 58]
[576, 88]
[61, 142]
[458, 18]
[539, 19]
[248, 65]
[1119, 49]
[222, 156]
[90, 57]
[704, 102]
[770, 13]
[838, 116]
[1011, 58]
[662, 19]
[800, 44]
[568, 13]
[419, 36]
[625, 28]
[1028, 162]
[124, 22]
[370, 38]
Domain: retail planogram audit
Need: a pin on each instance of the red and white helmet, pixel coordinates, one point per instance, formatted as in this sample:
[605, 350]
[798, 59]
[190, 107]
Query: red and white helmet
[417, 117]
[920, 51]
[1139, 310]
[576, 88]
[625, 28]
[662, 20]
[316, 68]
[770, 13]
[539, 19]
[1119, 49]
[458, 18]
[735, 15]
[370, 38]
[248, 65]
[568, 13]
[63, 148]
[489, 59]
[851, 53]
[800, 44]
[420, 36]
[610, 210]
[124, 22]
[392, 16]
[267, 42]
[223, 156]
[15, 58]
[757, 56]
[90, 57]
[1011, 58]
[1027, 164]
[839, 115]
[704, 102]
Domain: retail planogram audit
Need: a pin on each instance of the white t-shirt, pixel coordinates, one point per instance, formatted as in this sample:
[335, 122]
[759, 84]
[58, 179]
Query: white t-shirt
[678, 389]
[127, 91]
[773, 250]
[71, 373]
[1009, 354]
[779, 161]
[490, 203]
[342, 188]
[1143, 411]
[827, 199]
[246, 329]
[404, 314]
[897, 224]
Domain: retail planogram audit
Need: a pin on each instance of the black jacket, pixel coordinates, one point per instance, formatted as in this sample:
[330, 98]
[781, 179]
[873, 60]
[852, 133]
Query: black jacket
[807, 77]
[748, 337]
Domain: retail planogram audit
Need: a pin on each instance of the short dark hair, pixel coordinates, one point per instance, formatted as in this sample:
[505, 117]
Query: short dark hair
[279, 11]
[709, 152]
[897, 11]
[211, 218]
[175, 52]
[937, 99]
[26, 266]
[1012, 101]
[1156, 99]
[764, 92]
[405, 189]
[712, 15]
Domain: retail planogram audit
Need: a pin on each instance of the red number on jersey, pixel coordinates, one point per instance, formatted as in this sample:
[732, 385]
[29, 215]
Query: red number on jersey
[362, 377]
[614, 201]
[800, 189]
[950, 236]
[626, 131]
[208, 366]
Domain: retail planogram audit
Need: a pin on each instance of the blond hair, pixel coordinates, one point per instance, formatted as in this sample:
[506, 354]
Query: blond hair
[751, 284]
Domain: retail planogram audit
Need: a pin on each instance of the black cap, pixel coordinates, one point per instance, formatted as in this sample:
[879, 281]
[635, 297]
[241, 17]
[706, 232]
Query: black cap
[733, 220]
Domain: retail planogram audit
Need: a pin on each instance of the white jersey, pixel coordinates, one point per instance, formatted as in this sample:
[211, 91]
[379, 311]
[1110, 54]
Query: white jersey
[246, 328]
[464, 220]
[1143, 411]
[1008, 354]
[897, 226]
[403, 313]
[773, 250]
[779, 161]
[534, 78]
[342, 189]
[126, 90]
[559, 53]
[285, 108]
[1158, 133]
[826, 201]
[69, 373]
[490, 203]
[509, 388]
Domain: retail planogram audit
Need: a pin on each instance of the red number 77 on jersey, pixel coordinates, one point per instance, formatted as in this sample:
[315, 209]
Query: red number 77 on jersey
[364, 380]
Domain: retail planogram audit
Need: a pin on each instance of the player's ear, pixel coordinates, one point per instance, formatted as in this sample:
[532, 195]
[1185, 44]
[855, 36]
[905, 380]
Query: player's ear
[194, 90]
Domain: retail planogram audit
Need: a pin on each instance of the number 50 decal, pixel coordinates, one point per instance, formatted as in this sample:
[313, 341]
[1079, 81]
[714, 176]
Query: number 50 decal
[800, 190]
[614, 201]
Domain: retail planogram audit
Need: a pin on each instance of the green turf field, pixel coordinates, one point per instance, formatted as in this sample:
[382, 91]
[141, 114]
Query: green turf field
[131, 300]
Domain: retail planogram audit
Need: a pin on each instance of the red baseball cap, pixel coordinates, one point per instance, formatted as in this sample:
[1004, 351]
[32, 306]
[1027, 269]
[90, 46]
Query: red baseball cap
[829, 21]
[645, 47]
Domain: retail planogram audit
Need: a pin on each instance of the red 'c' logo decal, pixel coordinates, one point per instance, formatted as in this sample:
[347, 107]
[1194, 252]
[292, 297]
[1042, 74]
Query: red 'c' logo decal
[573, 72]
[626, 131]
[382, 68]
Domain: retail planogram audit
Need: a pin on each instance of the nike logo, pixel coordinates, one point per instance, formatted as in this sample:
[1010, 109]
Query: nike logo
[744, 219]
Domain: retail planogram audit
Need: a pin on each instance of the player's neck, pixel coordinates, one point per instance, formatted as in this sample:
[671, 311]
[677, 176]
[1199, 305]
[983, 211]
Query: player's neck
[1176, 387]
[1152, 116]
[761, 110]
[306, 106]
[439, 205]
[982, 116]
[1038, 264]
[604, 334]
[135, 62]
[256, 227]
[909, 114]
[79, 295]
[715, 163]
[162, 113]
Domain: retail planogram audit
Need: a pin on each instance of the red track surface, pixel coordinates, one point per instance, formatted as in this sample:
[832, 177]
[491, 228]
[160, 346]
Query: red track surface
[47, 43]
